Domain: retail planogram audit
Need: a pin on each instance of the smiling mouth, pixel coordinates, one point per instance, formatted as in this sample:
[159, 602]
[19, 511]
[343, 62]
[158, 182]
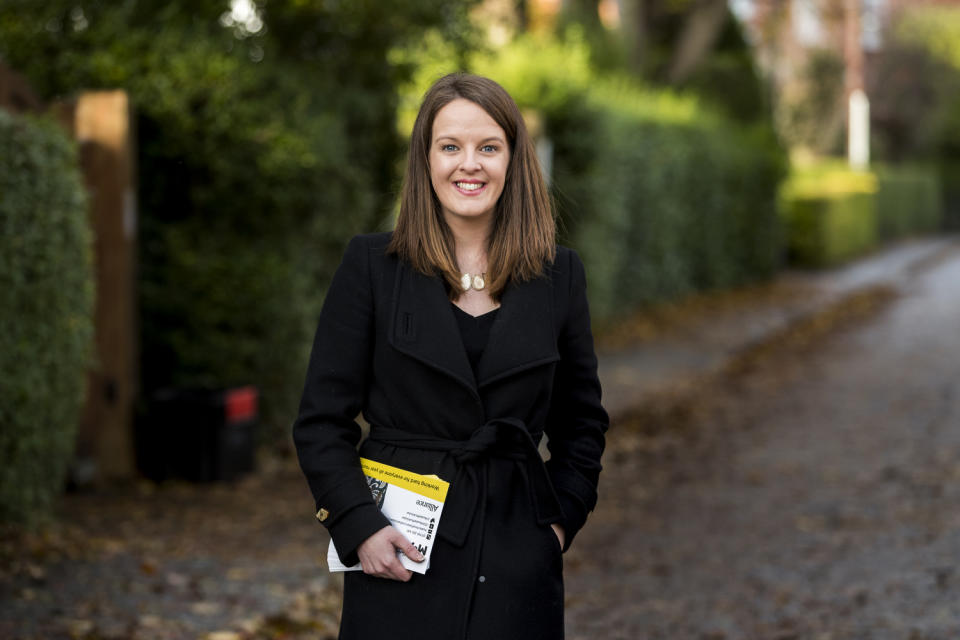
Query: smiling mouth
[470, 186]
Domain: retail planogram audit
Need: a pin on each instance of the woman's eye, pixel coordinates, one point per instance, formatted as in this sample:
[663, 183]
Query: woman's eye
[488, 148]
[448, 147]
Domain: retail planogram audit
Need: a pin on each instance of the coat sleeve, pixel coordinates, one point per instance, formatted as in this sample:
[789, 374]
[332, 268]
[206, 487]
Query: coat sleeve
[577, 421]
[325, 432]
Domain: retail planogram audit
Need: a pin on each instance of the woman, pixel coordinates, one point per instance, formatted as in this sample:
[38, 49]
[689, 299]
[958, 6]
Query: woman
[463, 336]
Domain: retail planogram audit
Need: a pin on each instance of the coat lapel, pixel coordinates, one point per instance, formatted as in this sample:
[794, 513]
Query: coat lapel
[523, 335]
[424, 326]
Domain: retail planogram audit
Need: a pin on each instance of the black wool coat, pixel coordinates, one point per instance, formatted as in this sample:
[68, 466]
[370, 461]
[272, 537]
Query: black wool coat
[388, 344]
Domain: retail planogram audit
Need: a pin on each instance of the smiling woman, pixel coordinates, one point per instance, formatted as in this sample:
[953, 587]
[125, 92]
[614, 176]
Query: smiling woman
[463, 336]
[513, 234]
[468, 163]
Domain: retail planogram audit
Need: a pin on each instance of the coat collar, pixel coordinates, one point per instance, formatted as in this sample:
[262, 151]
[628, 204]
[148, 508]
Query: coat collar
[424, 327]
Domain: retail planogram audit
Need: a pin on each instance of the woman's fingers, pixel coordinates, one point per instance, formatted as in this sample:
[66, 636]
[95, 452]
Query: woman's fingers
[378, 555]
[408, 549]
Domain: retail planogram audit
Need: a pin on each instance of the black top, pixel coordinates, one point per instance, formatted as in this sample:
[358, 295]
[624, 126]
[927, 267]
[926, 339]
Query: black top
[475, 333]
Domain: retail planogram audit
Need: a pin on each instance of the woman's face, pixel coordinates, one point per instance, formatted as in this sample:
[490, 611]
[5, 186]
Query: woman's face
[469, 156]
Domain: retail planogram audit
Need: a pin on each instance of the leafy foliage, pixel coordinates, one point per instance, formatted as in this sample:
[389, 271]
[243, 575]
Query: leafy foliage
[814, 117]
[937, 28]
[911, 102]
[661, 195]
[46, 291]
[262, 149]
[908, 201]
[728, 79]
[921, 97]
[260, 153]
[832, 213]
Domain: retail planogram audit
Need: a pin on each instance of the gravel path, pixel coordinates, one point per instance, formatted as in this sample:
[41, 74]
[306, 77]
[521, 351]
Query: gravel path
[813, 494]
[179, 561]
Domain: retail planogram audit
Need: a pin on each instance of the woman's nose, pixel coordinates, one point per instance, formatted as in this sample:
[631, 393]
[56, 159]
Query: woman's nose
[471, 162]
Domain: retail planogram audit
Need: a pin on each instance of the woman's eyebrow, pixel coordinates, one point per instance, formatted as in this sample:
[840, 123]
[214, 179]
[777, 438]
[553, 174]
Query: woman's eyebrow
[454, 138]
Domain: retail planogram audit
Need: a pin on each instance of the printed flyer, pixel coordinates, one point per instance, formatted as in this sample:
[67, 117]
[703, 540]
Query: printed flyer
[413, 504]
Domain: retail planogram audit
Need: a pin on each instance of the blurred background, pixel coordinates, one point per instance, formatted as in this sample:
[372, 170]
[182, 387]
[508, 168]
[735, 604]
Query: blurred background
[178, 180]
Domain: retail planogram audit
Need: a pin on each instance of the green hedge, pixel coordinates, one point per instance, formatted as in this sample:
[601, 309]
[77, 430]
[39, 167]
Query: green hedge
[829, 214]
[659, 194]
[245, 210]
[827, 230]
[668, 207]
[46, 293]
[935, 29]
[832, 213]
[908, 201]
[949, 173]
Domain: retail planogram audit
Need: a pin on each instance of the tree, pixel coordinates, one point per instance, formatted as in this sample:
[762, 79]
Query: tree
[669, 39]
[263, 145]
[693, 45]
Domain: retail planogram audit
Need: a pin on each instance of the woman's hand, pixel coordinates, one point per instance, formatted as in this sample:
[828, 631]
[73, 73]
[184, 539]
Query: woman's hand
[378, 555]
[561, 534]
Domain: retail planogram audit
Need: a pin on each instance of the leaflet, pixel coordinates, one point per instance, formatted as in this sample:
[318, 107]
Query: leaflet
[413, 504]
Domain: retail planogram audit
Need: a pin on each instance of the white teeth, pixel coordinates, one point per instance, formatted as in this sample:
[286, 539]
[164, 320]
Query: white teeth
[469, 186]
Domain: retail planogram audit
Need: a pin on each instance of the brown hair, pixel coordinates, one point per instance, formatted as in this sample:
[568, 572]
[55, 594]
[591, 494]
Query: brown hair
[523, 238]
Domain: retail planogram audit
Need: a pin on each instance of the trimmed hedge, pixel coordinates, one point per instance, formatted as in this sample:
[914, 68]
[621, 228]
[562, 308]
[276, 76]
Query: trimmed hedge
[935, 29]
[46, 328]
[832, 213]
[908, 201]
[829, 214]
[950, 179]
[830, 229]
[245, 209]
[668, 207]
[660, 195]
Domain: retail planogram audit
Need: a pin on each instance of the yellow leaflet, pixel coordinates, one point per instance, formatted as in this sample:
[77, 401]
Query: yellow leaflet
[427, 486]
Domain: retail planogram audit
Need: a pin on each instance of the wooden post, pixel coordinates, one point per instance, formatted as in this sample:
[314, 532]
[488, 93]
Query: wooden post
[101, 123]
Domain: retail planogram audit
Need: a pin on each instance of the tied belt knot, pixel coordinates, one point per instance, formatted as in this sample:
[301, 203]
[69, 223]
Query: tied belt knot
[504, 438]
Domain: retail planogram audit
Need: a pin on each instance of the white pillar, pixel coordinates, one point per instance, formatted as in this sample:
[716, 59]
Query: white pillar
[858, 131]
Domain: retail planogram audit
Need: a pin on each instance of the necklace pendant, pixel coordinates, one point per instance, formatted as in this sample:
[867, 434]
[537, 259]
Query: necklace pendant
[478, 282]
[465, 281]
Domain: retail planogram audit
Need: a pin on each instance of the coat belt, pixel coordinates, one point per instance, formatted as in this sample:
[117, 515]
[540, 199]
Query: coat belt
[505, 438]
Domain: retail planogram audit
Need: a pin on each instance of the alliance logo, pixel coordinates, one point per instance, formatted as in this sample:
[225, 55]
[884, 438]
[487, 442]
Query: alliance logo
[428, 505]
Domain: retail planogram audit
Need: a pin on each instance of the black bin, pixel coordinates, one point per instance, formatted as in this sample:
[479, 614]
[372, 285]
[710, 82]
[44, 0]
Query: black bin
[200, 435]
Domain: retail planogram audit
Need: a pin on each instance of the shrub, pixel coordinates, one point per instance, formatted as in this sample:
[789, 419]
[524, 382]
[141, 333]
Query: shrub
[730, 80]
[259, 154]
[238, 237]
[661, 195]
[825, 230]
[933, 30]
[950, 179]
[832, 213]
[908, 201]
[46, 292]
[829, 213]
